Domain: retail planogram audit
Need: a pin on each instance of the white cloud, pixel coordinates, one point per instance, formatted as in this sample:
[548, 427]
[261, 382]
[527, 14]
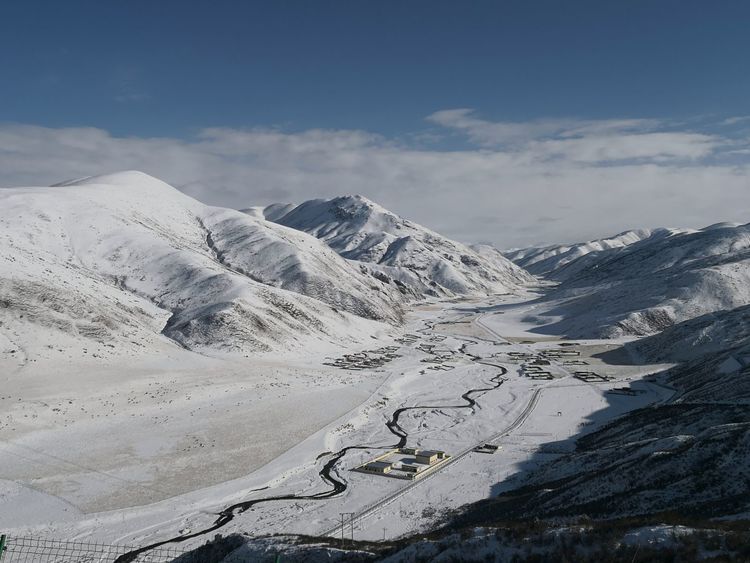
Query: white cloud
[504, 133]
[563, 182]
[736, 119]
[487, 133]
[610, 148]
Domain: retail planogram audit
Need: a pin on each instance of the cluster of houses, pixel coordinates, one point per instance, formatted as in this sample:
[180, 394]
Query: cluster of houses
[437, 367]
[575, 363]
[520, 357]
[537, 372]
[537, 366]
[437, 357]
[408, 339]
[534, 366]
[558, 354]
[591, 377]
[368, 359]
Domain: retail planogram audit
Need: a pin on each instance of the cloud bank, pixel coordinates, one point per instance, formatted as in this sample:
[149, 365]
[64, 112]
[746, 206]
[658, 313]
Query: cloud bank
[511, 183]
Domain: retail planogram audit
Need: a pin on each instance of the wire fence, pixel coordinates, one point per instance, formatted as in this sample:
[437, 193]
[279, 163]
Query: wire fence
[41, 550]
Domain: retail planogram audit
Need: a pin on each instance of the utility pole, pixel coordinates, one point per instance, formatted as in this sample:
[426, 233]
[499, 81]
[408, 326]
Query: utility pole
[350, 515]
[342, 528]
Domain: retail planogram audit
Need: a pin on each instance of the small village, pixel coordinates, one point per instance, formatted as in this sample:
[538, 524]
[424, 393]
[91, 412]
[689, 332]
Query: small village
[367, 359]
[537, 366]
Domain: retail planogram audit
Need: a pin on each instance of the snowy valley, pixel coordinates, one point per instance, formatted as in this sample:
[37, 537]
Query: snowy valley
[175, 370]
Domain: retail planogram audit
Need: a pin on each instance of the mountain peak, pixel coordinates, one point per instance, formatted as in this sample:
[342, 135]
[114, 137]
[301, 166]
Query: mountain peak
[359, 205]
[121, 178]
[128, 184]
[360, 229]
[354, 199]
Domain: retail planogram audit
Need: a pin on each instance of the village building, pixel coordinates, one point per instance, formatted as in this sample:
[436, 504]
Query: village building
[378, 467]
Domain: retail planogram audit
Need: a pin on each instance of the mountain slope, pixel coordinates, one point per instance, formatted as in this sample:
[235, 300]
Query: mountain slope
[653, 283]
[282, 257]
[398, 250]
[562, 261]
[689, 456]
[125, 258]
[722, 332]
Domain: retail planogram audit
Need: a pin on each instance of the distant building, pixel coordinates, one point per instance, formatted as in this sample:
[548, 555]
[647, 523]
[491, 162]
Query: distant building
[428, 457]
[487, 448]
[378, 467]
[411, 467]
[400, 464]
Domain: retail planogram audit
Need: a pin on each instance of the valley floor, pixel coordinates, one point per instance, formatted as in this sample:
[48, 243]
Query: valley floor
[143, 454]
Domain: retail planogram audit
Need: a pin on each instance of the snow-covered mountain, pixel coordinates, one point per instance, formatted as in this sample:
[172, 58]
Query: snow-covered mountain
[725, 333]
[564, 260]
[397, 250]
[116, 263]
[653, 283]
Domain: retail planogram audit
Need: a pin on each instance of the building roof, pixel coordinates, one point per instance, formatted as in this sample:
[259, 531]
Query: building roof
[428, 453]
[378, 464]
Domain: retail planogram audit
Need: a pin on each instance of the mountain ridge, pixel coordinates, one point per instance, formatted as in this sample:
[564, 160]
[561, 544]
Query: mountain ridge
[89, 258]
[398, 249]
[651, 283]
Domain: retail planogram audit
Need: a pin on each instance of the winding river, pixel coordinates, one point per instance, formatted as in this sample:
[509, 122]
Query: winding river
[328, 472]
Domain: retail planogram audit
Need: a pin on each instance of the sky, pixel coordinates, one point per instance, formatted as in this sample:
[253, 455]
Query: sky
[509, 122]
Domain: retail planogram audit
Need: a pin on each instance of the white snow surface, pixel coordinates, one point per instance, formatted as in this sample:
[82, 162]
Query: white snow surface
[134, 454]
[398, 249]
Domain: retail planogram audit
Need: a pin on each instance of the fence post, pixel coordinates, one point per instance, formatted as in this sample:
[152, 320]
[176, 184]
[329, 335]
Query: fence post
[2, 546]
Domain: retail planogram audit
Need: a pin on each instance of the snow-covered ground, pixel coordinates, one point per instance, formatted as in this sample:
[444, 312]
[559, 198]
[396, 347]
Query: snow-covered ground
[145, 451]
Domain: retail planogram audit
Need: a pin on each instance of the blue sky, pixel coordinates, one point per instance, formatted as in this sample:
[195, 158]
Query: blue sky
[169, 67]
[412, 79]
